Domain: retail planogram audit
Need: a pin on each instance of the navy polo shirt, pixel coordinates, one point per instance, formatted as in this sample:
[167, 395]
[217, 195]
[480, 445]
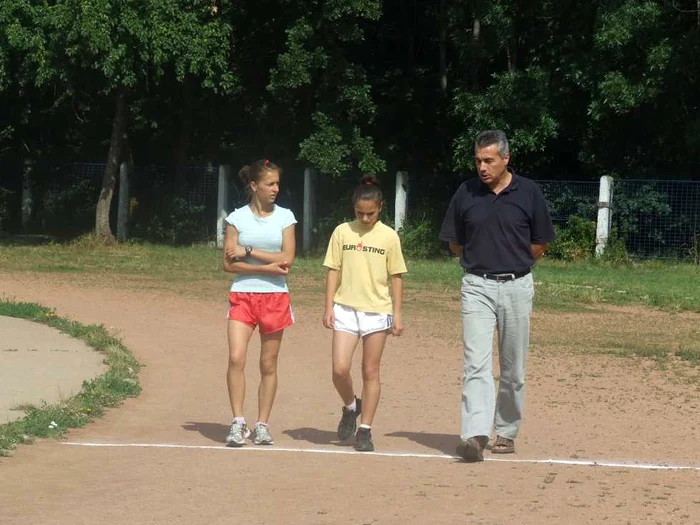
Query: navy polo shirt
[497, 231]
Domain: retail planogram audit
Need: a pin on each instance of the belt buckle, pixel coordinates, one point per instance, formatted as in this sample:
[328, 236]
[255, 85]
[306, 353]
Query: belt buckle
[504, 277]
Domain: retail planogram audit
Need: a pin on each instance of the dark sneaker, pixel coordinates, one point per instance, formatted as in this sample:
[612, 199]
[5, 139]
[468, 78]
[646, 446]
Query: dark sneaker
[348, 423]
[472, 450]
[364, 440]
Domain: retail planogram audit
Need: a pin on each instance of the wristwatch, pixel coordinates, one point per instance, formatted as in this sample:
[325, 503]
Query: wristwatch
[248, 249]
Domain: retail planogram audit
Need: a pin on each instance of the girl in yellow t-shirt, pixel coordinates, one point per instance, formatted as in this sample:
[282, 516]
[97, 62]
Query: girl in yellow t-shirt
[361, 255]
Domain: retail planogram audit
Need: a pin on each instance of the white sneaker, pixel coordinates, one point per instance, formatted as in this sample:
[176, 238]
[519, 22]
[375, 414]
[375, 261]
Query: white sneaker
[261, 435]
[237, 435]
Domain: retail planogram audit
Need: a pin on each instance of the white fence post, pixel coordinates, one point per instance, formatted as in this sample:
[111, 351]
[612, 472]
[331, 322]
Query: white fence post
[605, 199]
[123, 209]
[222, 204]
[401, 202]
[309, 208]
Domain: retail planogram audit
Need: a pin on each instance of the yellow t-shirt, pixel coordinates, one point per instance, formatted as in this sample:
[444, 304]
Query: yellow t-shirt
[365, 257]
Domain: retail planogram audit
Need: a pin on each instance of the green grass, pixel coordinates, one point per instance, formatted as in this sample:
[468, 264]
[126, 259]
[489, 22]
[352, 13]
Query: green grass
[567, 286]
[665, 285]
[690, 355]
[199, 262]
[109, 390]
[572, 286]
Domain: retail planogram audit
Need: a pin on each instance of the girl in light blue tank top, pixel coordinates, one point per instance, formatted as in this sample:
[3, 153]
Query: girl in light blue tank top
[258, 251]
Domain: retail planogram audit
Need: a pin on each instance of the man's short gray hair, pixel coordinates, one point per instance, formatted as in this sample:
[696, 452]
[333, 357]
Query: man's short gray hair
[491, 137]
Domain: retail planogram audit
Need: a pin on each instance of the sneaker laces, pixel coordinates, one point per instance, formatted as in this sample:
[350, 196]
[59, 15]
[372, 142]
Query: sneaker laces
[262, 433]
[237, 430]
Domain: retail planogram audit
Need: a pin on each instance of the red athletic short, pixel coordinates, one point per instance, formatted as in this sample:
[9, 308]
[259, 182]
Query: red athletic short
[271, 312]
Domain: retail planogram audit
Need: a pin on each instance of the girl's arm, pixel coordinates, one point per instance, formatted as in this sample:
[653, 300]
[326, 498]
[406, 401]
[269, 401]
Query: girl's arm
[397, 300]
[285, 256]
[232, 266]
[331, 287]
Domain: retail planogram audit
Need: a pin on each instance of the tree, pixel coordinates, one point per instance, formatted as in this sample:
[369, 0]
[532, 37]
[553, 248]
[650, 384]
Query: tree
[327, 93]
[124, 46]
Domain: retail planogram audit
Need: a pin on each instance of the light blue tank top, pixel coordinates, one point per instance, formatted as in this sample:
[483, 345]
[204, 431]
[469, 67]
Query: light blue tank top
[263, 233]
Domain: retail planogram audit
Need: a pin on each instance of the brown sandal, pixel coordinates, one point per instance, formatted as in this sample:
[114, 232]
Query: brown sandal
[503, 446]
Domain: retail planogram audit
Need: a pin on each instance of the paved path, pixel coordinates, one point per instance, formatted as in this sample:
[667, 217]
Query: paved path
[39, 363]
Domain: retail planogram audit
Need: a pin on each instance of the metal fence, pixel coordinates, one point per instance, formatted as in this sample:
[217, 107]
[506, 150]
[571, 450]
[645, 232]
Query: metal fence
[658, 219]
[653, 218]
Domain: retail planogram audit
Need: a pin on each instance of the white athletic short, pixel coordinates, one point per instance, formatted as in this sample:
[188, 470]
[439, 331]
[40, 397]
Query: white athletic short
[360, 323]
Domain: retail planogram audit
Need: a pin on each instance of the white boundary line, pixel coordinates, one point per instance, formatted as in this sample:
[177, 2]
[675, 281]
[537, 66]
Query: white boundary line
[551, 461]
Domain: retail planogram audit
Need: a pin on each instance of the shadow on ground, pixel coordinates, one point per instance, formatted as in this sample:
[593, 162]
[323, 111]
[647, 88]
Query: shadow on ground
[317, 437]
[213, 431]
[445, 443]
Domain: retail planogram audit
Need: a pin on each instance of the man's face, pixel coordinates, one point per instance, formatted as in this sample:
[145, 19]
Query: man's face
[490, 166]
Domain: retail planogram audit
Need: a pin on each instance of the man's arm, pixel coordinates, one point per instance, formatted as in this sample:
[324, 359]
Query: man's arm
[537, 250]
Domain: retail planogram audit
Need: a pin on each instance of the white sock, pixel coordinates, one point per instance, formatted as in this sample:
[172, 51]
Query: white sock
[368, 427]
[352, 406]
[240, 420]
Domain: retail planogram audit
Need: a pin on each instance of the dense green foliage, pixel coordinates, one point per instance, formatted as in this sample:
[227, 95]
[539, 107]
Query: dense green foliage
[583, 89]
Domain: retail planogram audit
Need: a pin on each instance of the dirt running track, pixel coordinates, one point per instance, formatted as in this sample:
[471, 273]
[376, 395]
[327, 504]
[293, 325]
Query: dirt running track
[579, 407]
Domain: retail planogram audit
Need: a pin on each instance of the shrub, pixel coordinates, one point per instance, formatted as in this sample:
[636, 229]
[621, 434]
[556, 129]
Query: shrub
[575, 241]
[177, 222]
[419, 238]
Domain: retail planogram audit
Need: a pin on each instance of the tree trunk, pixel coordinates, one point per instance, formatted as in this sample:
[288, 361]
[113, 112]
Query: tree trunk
[185, 139]
[474, 63]
[510, 57]
[104, 203]
[443, 45]
[27, 193]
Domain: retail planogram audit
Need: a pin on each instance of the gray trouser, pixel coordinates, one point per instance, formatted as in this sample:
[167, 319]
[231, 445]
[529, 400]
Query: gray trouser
[486, 304]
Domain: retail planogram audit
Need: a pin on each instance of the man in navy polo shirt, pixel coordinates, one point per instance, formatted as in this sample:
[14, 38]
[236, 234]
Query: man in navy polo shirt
[499, 225]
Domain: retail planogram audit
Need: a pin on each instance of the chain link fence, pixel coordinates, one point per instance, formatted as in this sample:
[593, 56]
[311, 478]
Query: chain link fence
[658, 219]
[652, 218]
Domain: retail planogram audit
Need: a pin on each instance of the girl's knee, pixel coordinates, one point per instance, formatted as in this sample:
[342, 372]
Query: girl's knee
[370, 371]
[236, 361]
[341, 372]
[268, 367]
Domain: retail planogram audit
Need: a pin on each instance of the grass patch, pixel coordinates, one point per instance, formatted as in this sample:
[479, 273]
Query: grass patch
[561, 286]
[692, 356]
[665, 285]
[629, 350]
[109, 390]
